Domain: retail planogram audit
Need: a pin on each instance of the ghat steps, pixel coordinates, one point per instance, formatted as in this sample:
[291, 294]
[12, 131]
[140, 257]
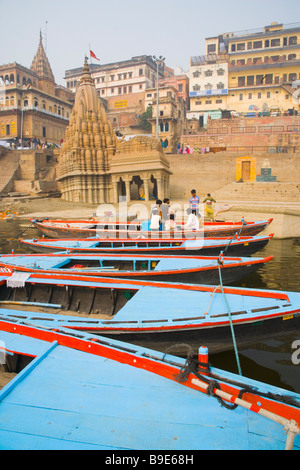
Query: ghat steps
[259, 192]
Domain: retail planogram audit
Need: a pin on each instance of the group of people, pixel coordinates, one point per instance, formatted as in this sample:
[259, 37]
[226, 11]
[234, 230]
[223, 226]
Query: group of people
[184, 148]
[162, 217]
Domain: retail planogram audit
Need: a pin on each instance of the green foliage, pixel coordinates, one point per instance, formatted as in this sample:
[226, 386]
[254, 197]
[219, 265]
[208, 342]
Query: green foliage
[144, 123]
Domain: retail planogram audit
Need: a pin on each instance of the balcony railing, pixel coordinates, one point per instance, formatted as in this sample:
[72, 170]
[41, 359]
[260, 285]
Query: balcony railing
[33, 108]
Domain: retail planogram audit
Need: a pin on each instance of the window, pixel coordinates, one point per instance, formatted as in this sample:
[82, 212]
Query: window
[141, 72]
[180, 87]
[44, 131]
[241, 96]
[220, 71]
[257, 45]
[208, 73]
[208, 102]
[275, 42]
[292, 77]
[220, 86]
[196, 74]
[125, 89]
[196, 87]
[208, 86]
[241, 81]
[112, 90]
[240, 46]
[275, 58]
[119, 90]
[119, 76]
[259, 95]
[112, 77]
[250, 96]
[130, 89]
[269, 79]
[130, 74]
[267, 43]
[292, 40]
[292, 57]
[249, 46]
[232, 47]
[211, 48]
[219, 101]
[268, 94]
[256, 60]
[250, 80]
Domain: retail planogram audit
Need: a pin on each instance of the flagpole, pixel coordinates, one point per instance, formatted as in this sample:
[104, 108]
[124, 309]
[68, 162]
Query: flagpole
[90, 54]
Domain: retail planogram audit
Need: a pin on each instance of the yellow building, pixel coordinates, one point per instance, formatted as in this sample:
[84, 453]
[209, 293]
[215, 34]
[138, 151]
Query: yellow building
[31, 104]
[263, 70]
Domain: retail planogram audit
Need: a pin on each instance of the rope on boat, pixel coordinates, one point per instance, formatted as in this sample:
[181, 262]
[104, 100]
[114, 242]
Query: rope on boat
[18, 236]
[230, 317]
[212, 387]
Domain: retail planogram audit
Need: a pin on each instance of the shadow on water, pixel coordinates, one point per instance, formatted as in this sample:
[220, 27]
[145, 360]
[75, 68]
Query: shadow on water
[268, 361]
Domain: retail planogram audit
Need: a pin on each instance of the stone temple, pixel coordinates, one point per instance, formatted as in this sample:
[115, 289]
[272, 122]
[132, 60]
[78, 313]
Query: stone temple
[95, 167]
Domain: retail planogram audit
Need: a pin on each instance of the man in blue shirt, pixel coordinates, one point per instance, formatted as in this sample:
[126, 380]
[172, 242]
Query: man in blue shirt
[194, 203]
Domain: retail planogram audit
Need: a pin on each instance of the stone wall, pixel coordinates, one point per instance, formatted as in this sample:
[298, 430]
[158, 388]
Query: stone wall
[211, 172]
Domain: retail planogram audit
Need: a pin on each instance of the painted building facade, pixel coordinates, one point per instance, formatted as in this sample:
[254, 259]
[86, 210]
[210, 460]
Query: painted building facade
[263, 70]
[31, 104]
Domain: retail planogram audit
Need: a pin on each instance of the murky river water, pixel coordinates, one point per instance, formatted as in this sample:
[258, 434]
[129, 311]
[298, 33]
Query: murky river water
[271, 360]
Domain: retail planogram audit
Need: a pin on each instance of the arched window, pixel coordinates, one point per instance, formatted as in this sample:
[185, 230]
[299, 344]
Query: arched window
[12, 101]
[167, 127]
[12, 79]
[35, 102]
[24, 81]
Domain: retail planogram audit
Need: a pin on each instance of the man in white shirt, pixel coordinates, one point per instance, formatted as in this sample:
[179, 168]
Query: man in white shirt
[192, 222]
[156, 216]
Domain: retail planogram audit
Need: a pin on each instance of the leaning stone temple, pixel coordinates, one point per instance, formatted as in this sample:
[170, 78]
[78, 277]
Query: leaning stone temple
[95, 167]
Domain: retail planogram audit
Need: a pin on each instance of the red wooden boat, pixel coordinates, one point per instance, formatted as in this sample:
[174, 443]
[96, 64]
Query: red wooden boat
[93, 227]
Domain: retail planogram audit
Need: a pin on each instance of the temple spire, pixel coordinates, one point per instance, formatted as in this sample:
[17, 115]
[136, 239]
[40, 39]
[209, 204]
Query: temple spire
[40, 63]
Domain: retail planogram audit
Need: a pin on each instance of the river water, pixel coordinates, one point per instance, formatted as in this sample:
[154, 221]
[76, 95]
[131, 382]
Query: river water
[272, 360]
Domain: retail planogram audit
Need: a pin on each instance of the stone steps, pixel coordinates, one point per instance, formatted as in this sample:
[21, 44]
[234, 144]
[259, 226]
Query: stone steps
[260, 192]
[9, 168]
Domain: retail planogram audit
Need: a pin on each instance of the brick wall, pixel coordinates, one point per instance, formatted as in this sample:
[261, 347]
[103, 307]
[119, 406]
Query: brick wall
[272, 132]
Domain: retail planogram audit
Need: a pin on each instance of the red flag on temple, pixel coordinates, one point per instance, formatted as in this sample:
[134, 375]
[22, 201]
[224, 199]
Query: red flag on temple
[93, 55]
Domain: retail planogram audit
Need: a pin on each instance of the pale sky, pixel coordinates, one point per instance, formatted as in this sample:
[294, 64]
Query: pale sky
[120, 29]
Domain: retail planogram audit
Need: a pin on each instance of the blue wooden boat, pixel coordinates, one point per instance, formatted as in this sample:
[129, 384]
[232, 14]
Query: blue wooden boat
[82, 392]
[93, 227]
[196, 269]
[152, 313]
[234, 246]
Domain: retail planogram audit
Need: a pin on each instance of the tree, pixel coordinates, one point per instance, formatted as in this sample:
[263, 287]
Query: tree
[144, 123]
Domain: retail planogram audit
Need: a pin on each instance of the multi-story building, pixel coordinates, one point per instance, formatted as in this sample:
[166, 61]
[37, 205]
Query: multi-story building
[208, 82]
[171, 115]
[31, 104]
[121, 86]
[263, 69]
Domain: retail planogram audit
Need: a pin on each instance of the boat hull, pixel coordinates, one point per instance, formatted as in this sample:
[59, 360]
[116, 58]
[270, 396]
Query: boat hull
[157, 315]
[53, 230]
[239, 247]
